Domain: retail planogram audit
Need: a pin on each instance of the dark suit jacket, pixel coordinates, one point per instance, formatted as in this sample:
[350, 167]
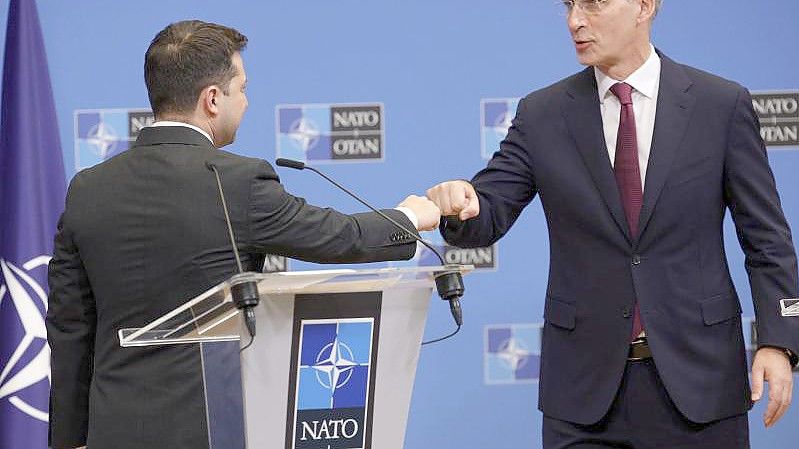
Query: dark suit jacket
[707, 157]
[141, 234]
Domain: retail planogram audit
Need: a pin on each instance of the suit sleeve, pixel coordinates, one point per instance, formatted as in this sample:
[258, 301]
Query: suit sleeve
[281, 223]
[71, 324]
[764, 234]
[504, 188]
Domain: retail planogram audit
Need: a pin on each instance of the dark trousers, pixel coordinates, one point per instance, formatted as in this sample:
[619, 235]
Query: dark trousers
[644, 417]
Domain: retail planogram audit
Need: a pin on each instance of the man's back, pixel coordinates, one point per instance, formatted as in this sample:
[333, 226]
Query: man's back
[150, 232]
[143, 233]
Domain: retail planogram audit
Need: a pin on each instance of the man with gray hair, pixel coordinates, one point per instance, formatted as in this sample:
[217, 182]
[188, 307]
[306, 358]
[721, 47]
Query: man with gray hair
[636, 159]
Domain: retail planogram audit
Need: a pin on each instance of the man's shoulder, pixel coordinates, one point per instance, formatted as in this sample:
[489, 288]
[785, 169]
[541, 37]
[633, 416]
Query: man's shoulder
[236, 159]
[703, 79]
[706, 82]
[97, 173]
[703, 85]
[242, 169]
[548, 98]
[119, 167]
[233, 161]
[559, 87]
[712, 91]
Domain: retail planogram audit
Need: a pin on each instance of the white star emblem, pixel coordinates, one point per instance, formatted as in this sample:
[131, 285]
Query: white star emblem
[513, 353]
[103, 138]
[33, 323]
[335, 370]
[303, 133]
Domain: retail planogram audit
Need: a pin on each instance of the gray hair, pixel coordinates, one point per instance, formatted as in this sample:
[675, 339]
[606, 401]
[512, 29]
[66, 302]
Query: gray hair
[658, 3]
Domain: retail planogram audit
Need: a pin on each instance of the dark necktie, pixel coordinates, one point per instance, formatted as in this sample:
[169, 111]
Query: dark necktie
[628, 174]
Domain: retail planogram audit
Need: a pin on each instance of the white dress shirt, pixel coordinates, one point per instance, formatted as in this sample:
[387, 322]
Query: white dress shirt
[645, 82]
[185, 125]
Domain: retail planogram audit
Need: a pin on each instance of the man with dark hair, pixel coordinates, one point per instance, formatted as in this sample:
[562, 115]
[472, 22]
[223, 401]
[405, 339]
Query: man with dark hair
[186, 57]
[636, 159]
[144, 231]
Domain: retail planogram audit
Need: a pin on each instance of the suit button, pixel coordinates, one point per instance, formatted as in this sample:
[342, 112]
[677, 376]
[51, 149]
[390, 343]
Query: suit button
[636, 259]
[627, 312]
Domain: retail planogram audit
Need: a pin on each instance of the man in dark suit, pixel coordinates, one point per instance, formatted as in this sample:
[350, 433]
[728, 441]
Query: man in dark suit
[636, 159]
[144, 232]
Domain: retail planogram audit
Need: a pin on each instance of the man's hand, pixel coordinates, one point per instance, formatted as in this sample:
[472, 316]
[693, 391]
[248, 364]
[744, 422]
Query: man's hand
[427, 213]
[773, 366]
[455, 198]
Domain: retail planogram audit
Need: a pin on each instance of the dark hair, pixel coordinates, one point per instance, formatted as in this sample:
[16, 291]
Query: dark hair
[185, 58]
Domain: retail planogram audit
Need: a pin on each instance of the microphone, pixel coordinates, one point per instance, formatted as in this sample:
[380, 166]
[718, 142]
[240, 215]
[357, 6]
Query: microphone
[449, 283]
[243, 288]
[292, 164]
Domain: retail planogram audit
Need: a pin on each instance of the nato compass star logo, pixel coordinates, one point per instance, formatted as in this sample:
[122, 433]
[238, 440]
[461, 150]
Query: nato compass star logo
[304, 134]
[29, 362]
[512, 353]
[103, 133]
[330, 133]
[103, 139]
[332, 383]
[334, 365]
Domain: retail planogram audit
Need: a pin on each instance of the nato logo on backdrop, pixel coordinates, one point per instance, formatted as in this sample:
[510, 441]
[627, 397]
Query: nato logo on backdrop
[483, 258]
[496, 115]
[326, 133]
[511, 353]
[332, 383]
[778, 112]
[103, 133]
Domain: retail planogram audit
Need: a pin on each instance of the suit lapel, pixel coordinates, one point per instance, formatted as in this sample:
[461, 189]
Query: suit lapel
[674, 108]
[584, 120]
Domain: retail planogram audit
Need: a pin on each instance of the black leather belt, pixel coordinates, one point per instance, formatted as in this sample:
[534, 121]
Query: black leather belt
[639, 350]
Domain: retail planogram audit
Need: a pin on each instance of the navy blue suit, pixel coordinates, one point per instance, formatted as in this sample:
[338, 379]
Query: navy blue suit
[707, 157]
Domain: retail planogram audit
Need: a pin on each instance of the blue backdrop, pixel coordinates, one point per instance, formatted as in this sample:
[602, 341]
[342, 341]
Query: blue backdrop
[430, 63]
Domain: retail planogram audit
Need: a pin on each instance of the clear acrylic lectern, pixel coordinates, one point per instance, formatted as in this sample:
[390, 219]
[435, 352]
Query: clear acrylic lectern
[332, 364]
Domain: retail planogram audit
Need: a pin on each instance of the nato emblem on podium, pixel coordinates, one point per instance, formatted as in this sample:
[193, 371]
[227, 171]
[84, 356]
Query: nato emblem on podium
[333, 365]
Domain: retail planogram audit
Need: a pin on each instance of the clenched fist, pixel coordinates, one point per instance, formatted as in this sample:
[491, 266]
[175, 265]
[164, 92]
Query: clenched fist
[455, 198]
[427, 213]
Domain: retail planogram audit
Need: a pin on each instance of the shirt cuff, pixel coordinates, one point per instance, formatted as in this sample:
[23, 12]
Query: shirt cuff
[411, 216]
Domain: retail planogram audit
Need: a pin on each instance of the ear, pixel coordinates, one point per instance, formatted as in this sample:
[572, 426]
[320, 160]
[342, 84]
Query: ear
[647, 11]
[209, 100]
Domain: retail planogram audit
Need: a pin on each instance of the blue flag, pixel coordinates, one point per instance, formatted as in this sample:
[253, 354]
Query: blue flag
[32, 190]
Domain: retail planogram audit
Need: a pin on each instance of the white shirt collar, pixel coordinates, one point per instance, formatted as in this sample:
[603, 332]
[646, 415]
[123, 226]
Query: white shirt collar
[644, 79]
[185, 125]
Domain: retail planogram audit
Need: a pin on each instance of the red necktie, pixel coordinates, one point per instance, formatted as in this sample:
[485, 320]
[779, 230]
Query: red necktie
[628, 174]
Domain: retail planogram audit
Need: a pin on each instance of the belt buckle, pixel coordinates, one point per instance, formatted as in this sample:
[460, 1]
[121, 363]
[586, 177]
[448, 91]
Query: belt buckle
[641, 341]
